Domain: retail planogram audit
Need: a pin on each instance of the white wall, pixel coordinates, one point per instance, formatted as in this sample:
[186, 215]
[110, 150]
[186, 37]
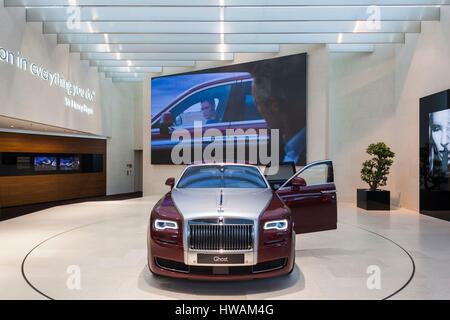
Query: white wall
[120, 147]
[362, 111]
[25, 97]
[138, 117]
[155, 175]
[422, 68]
[375, 97]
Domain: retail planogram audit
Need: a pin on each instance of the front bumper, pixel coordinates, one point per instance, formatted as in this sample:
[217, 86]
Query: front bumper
[273, 260]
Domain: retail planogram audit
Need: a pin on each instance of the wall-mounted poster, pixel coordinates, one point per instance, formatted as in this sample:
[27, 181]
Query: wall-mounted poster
[253, 112]
[434, 155]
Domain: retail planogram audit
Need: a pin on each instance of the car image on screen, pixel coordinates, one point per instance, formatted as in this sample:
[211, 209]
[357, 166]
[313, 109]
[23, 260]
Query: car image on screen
[69, 163]
[231, 107]
[256, 108]
[45, 164]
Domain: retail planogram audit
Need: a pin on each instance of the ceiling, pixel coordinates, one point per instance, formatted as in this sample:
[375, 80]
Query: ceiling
[127, 39]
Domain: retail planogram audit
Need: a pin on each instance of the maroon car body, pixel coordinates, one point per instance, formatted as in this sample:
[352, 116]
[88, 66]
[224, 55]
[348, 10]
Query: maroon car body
[305, 202]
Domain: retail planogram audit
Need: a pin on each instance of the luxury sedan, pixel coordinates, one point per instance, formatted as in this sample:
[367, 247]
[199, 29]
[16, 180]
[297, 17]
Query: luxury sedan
[229, 222]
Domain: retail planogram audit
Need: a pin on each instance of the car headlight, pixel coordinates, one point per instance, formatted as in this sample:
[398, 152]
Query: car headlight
[165, 224]
[276, 225]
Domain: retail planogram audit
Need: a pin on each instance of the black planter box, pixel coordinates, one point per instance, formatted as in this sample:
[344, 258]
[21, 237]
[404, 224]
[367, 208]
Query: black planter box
[373, 200]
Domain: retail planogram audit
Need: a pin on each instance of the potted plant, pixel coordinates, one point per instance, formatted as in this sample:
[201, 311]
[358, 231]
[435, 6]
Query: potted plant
[375, 172]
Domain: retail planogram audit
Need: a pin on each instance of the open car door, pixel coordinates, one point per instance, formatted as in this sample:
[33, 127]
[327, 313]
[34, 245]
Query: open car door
[311, 196]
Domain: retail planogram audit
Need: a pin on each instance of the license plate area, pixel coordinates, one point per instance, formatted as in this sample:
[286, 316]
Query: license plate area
[192, 258]
[220, 259]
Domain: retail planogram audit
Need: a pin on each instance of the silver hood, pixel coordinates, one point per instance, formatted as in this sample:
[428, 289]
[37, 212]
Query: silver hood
[227, 202]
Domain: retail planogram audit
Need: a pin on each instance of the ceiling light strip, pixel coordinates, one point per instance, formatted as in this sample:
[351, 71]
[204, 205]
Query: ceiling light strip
[235, 27]
[271, 38]
[221, 14]
[217, 3]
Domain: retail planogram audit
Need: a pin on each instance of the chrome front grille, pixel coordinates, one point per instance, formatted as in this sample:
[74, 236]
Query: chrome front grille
[215, 237]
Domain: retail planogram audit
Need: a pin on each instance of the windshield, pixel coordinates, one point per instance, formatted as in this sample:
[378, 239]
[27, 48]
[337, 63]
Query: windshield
[222, 177]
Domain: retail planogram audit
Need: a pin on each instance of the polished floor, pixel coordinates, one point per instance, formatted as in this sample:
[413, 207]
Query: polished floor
[97, 250]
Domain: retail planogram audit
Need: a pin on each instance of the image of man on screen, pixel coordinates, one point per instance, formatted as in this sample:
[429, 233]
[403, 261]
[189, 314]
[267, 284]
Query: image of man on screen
[275, 92]
[439, 143]
[209, 110]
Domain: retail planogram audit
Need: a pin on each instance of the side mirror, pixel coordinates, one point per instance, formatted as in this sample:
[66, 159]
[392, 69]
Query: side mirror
[298, 183]
[170, 182]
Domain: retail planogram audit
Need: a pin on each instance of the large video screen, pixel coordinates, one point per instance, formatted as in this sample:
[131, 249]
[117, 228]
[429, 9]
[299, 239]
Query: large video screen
[439, 139]
[253, 113]
[435, 155]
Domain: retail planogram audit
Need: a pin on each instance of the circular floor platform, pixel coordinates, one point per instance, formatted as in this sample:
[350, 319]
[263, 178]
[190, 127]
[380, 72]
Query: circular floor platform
[110, 255]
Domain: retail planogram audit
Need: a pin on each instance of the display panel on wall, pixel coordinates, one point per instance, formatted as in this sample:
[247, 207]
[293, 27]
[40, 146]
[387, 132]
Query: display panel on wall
[434, 155]
[253, 112]
[46, 168]
[25, 164]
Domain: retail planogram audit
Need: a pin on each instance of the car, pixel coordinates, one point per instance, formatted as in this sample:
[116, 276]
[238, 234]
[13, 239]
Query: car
[234, 106]
[229, 222]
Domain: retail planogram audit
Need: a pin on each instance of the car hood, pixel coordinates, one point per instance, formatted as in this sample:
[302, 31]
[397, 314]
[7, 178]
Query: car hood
[236, 203]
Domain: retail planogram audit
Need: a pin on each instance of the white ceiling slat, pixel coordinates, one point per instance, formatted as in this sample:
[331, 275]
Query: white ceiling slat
[126, 80]
[124, 75]
[156, 56]
[235, 27]
[128, 38]
[128, 14]
[363, 48]
[235, 13]
[316, 38]
[132, 38]
[169, 48]
[141, 63]
[131, 69]
[329, 13]
[270, 38]
[203, 3]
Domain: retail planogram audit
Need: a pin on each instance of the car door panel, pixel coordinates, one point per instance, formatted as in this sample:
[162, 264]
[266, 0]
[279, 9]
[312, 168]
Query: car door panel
[313, 207]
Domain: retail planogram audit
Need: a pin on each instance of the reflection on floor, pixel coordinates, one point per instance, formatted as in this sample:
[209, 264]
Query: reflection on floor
[106, 243]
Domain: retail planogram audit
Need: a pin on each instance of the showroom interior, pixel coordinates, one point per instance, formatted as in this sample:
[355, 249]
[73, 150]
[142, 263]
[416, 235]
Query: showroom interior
[79, 175]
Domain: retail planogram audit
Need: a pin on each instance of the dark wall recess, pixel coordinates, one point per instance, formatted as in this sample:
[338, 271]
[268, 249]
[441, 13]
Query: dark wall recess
[40, 168]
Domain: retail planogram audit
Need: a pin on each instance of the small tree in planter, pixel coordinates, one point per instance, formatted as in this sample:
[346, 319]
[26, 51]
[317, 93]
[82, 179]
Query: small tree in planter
[375, 172]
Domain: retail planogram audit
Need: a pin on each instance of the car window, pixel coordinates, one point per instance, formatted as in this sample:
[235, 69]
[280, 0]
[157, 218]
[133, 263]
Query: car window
[222, 177]
[315, 175]
[189, 110]
[242, 106]
[250, 110]
[285, 172]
